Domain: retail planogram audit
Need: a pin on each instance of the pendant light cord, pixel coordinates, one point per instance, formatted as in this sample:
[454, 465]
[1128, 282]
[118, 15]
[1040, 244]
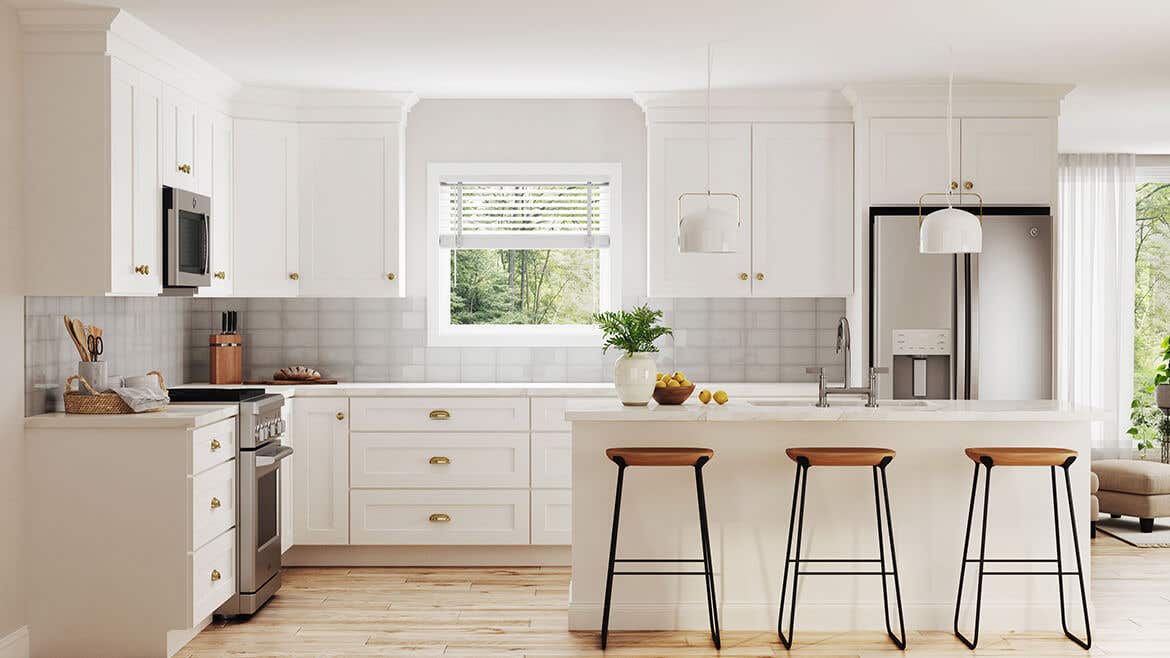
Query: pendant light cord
[950, 124]
[708, 125]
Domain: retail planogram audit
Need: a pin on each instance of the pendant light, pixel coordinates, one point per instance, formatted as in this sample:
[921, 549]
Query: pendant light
[950, 230]
[708, 229]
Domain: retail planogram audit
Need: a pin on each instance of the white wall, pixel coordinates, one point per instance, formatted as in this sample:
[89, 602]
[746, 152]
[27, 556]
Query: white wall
[528, 131]
[12, 587]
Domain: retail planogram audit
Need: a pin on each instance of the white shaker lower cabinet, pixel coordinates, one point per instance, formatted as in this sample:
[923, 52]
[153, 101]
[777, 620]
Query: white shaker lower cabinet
[459, 460]
[802, 209]
[552, 460]
[428, 517]
[552, 516]
[265, 229]
[287, 477]
[440, 414]
[320, 439]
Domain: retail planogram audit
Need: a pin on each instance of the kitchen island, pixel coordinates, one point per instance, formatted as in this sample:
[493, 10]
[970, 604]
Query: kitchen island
[749, 492]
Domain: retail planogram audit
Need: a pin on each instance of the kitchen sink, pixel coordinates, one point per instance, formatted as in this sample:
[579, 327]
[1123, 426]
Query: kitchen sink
[920, 405]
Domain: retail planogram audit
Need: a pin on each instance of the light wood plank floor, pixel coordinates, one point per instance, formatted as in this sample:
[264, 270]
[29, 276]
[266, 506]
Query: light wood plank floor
[522, 612]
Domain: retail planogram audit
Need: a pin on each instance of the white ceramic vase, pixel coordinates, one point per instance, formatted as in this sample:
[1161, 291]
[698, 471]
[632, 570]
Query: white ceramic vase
[633, 375]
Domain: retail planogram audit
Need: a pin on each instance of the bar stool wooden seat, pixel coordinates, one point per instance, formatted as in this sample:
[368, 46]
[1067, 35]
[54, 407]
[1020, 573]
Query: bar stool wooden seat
[876, 459]
[1052, 458]
[662, 457]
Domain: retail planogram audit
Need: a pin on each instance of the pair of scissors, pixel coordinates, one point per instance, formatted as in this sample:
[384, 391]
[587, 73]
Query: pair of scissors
[96, 346]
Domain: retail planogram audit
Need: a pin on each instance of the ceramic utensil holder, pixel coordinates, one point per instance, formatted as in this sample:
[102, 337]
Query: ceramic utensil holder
[93, 372]
[226, 362]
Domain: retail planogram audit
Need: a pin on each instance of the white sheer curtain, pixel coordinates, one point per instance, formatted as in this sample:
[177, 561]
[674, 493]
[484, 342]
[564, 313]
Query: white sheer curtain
[1096, 219]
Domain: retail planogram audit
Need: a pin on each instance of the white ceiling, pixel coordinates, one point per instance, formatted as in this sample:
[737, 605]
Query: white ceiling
[1117, 52]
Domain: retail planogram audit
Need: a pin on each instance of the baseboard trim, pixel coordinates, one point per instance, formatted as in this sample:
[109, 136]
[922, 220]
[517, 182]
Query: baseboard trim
[15, 644]
[427, 556]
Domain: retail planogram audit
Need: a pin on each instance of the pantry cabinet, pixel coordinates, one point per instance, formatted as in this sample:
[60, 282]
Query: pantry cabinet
[265, 227]
[320, 488]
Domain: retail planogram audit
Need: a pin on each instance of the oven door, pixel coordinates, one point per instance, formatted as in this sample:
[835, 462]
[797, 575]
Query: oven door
[188, 236]
[259, 522]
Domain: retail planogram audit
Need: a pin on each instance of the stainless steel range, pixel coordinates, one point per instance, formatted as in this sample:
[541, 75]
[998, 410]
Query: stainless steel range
[258, 462]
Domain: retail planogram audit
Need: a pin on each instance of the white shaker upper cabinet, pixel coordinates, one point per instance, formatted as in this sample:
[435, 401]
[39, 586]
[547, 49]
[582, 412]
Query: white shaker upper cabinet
[320, 487]
[677, 156]
[1010, 161]
[908, 158]
[219, 167]
[351, 210]
[180, 137]
[802, 210]
[264, 210]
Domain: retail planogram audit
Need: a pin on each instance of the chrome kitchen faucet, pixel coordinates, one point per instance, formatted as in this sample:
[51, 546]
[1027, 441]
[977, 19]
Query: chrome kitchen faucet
[824, 391]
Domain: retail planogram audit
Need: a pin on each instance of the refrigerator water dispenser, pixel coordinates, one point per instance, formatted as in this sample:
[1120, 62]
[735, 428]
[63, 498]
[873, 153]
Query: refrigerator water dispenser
[922, 364]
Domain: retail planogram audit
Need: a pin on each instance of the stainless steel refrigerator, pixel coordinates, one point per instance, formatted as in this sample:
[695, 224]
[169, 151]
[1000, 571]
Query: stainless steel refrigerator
[975, 326]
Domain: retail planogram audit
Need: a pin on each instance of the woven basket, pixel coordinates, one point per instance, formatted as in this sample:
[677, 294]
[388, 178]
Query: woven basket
[77, 402]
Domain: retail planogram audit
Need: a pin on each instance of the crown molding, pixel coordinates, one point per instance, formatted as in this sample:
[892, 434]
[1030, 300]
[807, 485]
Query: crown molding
[738, 105]
[322, 105]
[971, 99]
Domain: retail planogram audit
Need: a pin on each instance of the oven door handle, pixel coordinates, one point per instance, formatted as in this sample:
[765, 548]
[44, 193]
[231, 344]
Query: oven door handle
[268, 460]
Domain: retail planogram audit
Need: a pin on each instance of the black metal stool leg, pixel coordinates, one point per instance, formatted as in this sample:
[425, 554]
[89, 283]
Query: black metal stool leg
[708, 566]
[899, 642]
[798, 492]
[617, 508]
[982, 553]
[1088, 641]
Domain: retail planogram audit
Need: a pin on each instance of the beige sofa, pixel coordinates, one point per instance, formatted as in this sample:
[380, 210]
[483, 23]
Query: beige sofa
[1133, 488]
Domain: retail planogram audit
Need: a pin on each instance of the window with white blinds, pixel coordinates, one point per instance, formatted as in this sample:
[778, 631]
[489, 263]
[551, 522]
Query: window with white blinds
[566, 214]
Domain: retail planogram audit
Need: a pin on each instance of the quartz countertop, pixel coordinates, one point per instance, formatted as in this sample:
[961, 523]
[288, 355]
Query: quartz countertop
[175, 416]
[803, 409]
[523, 389]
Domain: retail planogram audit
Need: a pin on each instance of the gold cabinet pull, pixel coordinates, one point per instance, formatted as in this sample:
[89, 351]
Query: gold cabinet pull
[440, 518]
[215, 444]
[185, 168]
[340, 416]
[759, 276]
[215, 504]
[215, 575]
[220, 275]
[743, 276]
[968, 185]
[391, 276]
[144, 270]
[439, 459]
[294, 276]
[954, 185]
[440, 414]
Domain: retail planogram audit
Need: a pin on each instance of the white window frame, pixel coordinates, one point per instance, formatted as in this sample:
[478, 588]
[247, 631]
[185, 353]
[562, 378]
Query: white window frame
[440, 331]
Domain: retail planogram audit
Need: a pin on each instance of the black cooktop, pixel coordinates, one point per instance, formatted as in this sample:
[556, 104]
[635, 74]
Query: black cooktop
[209, 394]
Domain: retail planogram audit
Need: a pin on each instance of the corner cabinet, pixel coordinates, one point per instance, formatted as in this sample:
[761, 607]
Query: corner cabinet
[320, 487]
[265, 255]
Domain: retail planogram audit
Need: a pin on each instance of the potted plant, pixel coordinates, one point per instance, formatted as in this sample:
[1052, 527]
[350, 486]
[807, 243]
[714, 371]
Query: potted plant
[633, 332]
[1149, 426]
[1161, 384]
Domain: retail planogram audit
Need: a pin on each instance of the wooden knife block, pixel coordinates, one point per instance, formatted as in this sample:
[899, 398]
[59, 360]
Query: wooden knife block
[226, 359]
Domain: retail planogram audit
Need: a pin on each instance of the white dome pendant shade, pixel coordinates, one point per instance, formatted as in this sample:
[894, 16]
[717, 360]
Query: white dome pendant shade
[950, 230]
[708, 229]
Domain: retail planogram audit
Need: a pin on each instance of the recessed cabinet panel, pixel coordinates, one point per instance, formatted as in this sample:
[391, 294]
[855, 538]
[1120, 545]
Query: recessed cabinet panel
[802, 228]
[440, 414]
[265, 227]
[461, 460]
[677, 155]
[552, 460]
[381, 516]
[908, 158]
[320, 433]
[1009, 161]
[552, 516]
[222, 272]
[179, 139]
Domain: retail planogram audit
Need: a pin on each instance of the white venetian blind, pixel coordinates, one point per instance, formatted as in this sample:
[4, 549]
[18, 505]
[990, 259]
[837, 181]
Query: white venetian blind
[519, 215]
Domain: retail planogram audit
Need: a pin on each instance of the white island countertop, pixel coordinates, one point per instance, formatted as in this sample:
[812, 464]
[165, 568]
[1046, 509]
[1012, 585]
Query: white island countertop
[175, 416]
[840, 409]
[506, 389]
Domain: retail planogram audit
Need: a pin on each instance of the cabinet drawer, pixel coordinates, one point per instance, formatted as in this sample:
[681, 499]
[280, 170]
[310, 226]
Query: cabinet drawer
[552, 516]
[438, 517]
[213, 444]
[548, 414]
[439, 460]
[213, 575]
[552, 460]
[439, 414]
[213, 503]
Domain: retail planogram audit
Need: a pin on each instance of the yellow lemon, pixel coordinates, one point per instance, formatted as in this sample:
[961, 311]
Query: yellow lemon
[670, 383]
[684, 383]
[659, 384]
[721, 397]
[678, 376]
[658, 376]
[704, 396]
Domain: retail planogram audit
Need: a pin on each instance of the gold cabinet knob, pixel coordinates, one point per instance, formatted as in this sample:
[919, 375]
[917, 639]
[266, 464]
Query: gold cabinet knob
[144, 270]
[439, 414]
[215, 504]
[220, 275]
[215, 575]
[185, 168]
[294, 276]
[391, 276]
[968, 185]
[759, 276]
[743, 276]
[954, 185]
[439, 518]
[215, 444]
[440, 460]
[340, 416]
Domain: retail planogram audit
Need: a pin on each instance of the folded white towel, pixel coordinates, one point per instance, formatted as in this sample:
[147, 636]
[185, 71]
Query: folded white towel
[147, 398]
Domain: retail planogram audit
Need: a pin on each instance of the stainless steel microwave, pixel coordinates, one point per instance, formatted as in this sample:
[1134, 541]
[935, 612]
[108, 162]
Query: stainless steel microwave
[186, 239]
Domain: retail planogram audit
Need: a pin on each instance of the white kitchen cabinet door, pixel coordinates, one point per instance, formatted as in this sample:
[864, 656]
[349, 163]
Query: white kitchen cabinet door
[1009, 161]
[180, 114]
[220, 175]
[320, 432]
[202, 171]
[908, 158]
[802, 216]
[552, 517]
[351, 210]
[427, 460]
[552, 460]
[265, 230]
[440, 517]
[136, 117]
[677, 156]
[287, 536]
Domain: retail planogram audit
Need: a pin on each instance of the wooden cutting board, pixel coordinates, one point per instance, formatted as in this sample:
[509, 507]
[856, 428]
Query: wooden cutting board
[291, 382]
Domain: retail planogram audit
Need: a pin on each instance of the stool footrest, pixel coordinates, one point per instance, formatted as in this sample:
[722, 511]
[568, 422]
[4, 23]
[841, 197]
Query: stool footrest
[846, 560]
[660, 573]
[1031, 573]
[1053, 560]
[658, 560]
[845, 573]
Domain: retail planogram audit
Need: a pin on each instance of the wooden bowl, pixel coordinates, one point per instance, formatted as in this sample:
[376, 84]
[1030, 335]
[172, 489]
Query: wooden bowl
[673, 395]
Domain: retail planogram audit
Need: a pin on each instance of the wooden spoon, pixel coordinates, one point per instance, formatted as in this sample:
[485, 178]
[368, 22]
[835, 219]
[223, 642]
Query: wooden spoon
[69, 329]
[79, 336]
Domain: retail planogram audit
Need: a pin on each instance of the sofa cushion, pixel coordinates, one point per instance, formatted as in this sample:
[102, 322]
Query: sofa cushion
[1094, 483]
[1133, 477]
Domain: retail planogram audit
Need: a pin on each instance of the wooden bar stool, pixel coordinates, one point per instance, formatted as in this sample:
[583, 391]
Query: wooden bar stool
[877, 459]
[696, 458]
[1019, 456]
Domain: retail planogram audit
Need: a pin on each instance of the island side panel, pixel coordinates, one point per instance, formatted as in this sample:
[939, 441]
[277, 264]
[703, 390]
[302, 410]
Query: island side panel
[749, 486]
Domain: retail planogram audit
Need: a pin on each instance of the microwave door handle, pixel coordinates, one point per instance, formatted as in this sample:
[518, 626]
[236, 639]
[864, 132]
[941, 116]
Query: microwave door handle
[269, 460]
[207, 244]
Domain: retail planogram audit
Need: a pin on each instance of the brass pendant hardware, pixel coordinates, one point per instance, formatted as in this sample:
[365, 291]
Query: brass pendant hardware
[340, 416]
[215, 444]
[215, 504]
[440, 460]
[439, 518]
[215, 575]
[220, 275]
[440, 414]
[743, 276]
[946, 194]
